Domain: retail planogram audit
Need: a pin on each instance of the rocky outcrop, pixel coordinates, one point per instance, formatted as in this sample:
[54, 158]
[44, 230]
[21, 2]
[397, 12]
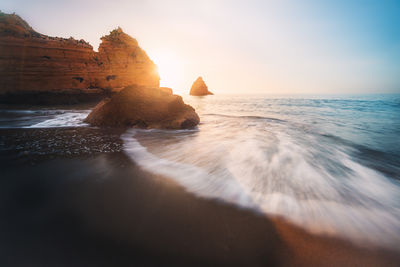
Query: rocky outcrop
[167, 90]
[144, 107]
[199, 88]
[35, 64]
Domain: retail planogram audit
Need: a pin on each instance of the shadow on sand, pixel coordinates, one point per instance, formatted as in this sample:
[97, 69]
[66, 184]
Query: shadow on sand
[105, 211]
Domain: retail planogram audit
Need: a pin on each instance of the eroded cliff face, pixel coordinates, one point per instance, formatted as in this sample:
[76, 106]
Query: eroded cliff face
[31, 62]
[122, 62]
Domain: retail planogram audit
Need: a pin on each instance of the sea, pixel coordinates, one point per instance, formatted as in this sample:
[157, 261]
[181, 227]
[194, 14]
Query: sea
[327, 163]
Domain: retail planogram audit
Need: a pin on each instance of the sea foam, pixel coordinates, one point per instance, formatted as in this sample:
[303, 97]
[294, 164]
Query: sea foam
[277, 167]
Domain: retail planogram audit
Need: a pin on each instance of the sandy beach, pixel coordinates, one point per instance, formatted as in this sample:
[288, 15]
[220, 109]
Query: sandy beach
[96, 208]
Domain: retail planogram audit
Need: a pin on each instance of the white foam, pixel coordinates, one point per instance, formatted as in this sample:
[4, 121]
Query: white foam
[194, 179]
[67, 119]
[268, 169]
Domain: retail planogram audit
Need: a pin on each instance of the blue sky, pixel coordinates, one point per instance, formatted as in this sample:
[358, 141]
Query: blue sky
[244, 46]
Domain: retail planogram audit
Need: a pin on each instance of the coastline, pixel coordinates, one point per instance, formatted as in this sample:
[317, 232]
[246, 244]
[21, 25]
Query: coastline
[96, 207]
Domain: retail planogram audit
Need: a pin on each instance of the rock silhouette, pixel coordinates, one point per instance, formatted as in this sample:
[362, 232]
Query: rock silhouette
[199, 88]
[144, 107]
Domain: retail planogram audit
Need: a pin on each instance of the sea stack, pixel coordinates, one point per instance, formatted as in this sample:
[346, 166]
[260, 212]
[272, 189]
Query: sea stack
[199, 88]
[52, 70]
[144, 107]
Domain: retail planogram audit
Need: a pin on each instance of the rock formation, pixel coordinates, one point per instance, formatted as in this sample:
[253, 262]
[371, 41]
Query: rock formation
[36, 65]
[144, 107]
[199, 88]
[167, 90]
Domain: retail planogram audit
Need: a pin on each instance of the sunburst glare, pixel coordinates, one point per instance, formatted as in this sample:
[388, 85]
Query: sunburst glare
[171, 70]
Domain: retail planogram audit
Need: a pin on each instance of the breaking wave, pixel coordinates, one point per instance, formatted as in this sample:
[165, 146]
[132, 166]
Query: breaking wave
[284, 166]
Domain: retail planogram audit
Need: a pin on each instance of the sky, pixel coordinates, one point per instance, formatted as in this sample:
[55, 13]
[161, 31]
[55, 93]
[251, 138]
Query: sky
[243, 47]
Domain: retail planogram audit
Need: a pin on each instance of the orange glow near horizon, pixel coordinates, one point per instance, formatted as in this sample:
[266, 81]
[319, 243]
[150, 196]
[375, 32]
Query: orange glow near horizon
[243, 47]
[171, 70]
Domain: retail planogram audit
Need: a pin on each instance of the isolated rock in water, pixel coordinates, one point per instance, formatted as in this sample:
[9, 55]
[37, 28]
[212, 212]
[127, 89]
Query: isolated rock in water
[144, 107]
[32, 63]
[199, 88]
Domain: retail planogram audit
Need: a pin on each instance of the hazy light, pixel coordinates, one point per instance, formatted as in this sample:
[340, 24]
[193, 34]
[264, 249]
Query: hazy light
[243, 47]
[170, 69]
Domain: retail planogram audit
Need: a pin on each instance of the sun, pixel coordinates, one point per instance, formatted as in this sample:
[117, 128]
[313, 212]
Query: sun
[171, 70]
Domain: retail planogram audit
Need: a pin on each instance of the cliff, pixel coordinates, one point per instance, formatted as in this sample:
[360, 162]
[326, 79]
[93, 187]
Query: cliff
[199, 88]
[33, 64]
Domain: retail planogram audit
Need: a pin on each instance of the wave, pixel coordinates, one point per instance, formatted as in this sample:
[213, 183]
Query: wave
[194, 179]
[42, 118]
[333, 169]
[318, 186]
[67, 119]
[244, 117]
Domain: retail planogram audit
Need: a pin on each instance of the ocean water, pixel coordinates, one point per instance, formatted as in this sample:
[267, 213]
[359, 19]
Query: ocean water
[330, 164]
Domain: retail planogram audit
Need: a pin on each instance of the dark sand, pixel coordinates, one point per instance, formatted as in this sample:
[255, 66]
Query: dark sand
[66, 200]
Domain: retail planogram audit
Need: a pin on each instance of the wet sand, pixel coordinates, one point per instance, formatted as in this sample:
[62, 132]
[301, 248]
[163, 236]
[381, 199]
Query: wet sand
[95, 207]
